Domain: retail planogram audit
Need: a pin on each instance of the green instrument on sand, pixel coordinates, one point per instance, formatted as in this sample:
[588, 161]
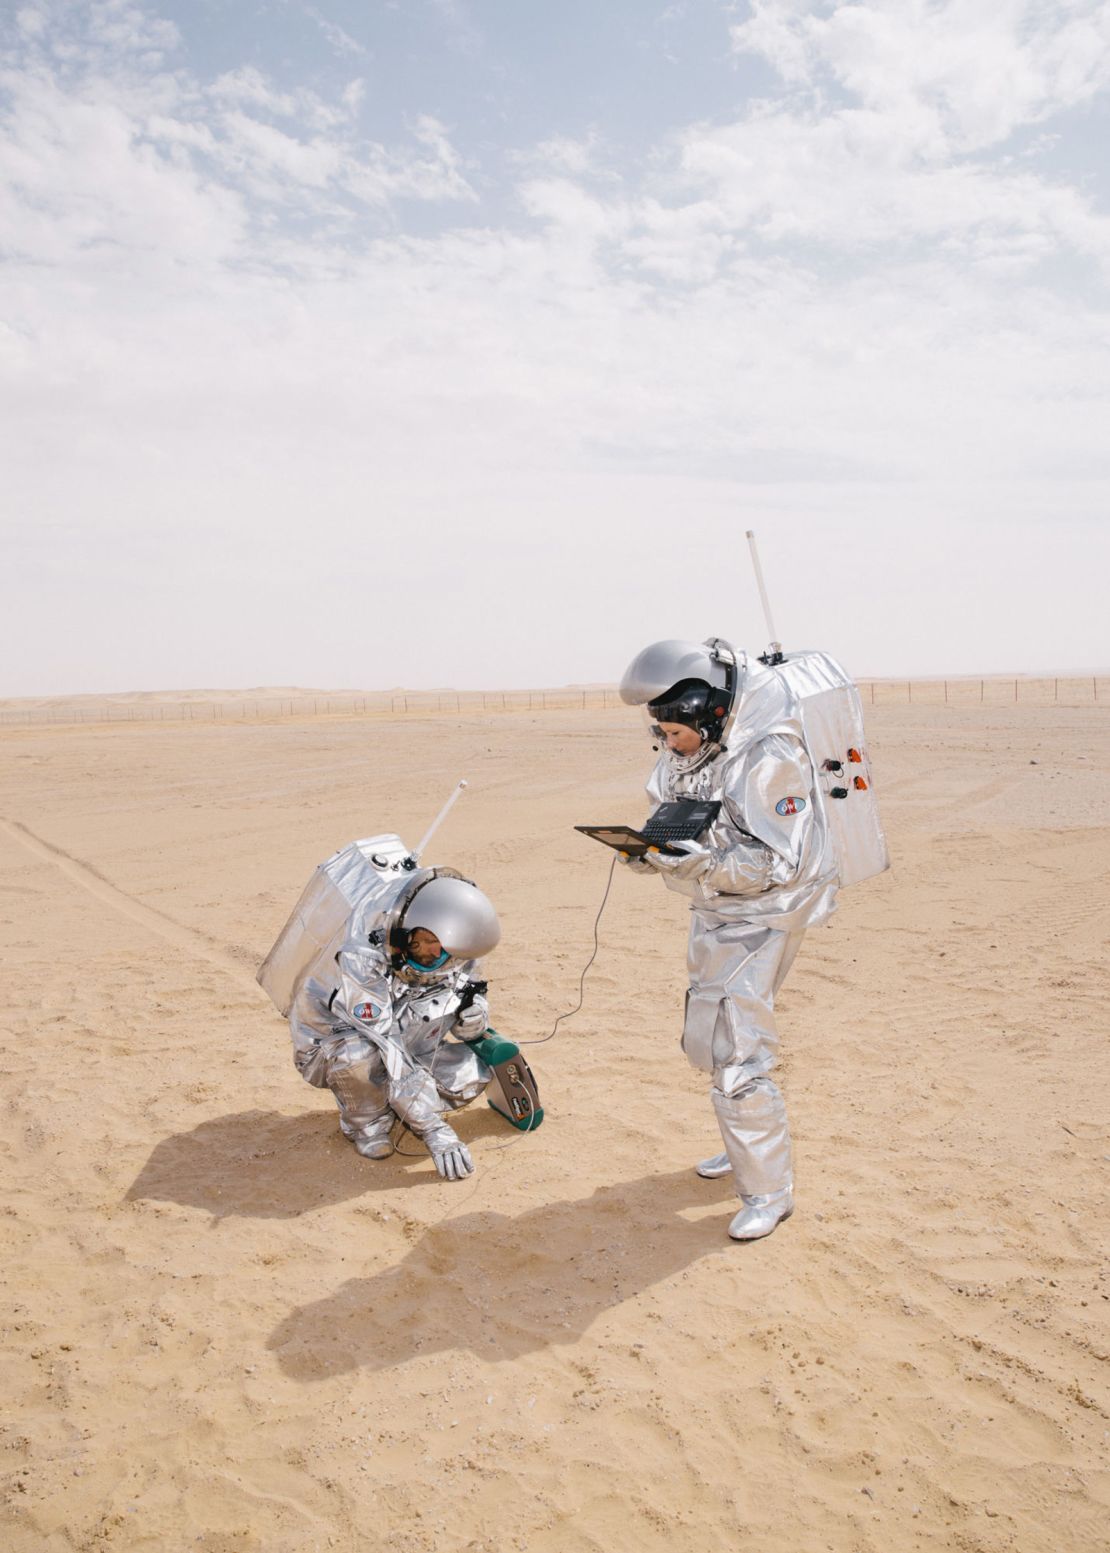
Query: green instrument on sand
[512, 1093]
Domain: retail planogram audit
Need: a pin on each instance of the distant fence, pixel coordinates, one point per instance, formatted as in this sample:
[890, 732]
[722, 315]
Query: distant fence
[1071, 690]
[992, 690]
[269, 709]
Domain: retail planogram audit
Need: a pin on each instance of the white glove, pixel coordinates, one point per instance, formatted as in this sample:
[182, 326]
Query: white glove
[695, 861]
[450, 1155]
[635, 864]
[473, 1020]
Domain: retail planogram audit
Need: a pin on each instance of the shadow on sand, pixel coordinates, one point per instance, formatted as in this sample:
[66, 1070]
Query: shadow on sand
[502, 1286]
[263, 1165]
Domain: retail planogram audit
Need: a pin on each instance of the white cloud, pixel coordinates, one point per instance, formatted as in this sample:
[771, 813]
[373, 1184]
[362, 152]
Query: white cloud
[31, 22]
[111, 157]
[248, 86]
[341, 42]
[563, 155]
[821, 314]
[942, 74]
[842, 179]
[80, 179]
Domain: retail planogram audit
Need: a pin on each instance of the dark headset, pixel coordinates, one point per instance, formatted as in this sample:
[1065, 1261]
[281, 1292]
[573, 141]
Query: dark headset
[696, 705]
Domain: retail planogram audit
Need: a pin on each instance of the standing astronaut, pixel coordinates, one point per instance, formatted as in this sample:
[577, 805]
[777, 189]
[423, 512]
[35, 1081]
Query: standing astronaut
[770, 742]
[376, 968]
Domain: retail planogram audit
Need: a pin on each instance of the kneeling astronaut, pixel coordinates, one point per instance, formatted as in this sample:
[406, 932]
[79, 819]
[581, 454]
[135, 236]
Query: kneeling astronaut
[766, 742]
[378, 971]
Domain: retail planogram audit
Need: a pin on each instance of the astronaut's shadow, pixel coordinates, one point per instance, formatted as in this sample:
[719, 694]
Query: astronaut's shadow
[265, 1165]
[502, 1285]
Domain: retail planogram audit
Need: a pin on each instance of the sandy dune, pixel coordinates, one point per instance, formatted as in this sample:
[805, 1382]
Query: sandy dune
[226, 1332]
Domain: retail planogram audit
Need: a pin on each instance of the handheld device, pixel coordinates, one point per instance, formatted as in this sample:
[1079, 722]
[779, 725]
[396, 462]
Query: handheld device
[683, 820]
[622, 838]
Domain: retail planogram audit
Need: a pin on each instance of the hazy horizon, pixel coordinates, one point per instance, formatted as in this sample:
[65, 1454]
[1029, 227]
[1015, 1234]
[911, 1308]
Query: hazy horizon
[342, 691]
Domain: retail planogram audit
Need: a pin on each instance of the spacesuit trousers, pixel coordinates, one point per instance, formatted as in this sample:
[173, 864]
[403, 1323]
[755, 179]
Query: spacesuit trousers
[357, 1078]
[735, 969]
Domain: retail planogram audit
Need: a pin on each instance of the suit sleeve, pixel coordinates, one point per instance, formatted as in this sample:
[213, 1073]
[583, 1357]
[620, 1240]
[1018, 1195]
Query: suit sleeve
[768, 798]
[364, 997]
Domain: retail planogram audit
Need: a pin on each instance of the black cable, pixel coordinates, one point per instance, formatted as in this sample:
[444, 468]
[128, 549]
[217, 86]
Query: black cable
[570, 1013]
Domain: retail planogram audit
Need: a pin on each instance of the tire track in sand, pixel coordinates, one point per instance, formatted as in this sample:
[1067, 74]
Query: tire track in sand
[146, 916]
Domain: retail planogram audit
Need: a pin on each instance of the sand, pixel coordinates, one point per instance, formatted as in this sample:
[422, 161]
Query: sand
[225, 1331]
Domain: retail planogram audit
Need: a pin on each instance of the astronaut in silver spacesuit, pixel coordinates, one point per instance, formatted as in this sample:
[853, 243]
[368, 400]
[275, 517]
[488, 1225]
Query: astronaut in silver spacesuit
[762, 873]
[372, 1024]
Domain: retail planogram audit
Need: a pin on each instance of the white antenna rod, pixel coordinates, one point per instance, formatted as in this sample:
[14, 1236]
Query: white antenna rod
[456, 794]
[775, 645]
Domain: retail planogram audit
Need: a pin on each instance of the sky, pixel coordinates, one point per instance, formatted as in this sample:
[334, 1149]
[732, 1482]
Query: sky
[459, 342]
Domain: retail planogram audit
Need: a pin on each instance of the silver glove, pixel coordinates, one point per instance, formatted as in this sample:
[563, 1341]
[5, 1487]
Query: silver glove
[695, 861]
[473, 1020]
[450, 1155]
[635, 865]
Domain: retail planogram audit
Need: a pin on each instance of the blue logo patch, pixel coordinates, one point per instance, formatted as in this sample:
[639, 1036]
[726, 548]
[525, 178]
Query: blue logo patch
[790, 806]
[365, 1011]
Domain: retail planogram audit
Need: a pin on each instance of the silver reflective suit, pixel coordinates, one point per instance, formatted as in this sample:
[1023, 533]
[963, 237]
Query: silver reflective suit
[369, 1021]
[765, 871]
[379, 1043]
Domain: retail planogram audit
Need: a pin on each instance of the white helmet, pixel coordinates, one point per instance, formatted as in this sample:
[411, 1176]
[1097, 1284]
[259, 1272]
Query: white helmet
[664, 665]
[668, 677]
[456, 911]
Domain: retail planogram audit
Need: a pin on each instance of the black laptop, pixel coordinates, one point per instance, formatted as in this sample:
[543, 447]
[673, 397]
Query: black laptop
[684, 820]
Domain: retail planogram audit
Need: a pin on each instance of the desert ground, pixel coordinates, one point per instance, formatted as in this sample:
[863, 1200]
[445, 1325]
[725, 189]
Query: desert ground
[225, 1331]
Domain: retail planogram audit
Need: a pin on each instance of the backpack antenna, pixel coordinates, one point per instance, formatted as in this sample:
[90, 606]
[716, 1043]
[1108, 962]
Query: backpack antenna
[774, 647]
[456, 794]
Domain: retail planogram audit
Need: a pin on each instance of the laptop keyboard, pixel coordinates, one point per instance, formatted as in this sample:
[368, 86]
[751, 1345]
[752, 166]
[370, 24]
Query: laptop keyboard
[671, 832]
[682, 820]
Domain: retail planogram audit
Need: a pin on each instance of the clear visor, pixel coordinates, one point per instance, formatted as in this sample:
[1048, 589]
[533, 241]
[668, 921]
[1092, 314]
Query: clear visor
[658, 736]
[417, 975]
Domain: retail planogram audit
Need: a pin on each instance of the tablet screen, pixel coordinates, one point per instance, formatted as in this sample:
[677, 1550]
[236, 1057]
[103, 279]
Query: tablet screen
[622, 837]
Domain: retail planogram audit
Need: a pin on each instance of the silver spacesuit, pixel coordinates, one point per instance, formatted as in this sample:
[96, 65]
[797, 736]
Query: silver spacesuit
[375, 969]
[766, 869]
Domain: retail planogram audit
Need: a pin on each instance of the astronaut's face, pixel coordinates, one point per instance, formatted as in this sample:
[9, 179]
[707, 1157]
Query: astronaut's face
[679, 739]
[424, 947]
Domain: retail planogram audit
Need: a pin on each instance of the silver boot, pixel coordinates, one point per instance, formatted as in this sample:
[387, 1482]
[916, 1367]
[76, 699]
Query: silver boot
[760, 1215]
[757, 1146]
[713, 1168]
[373, 1140]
